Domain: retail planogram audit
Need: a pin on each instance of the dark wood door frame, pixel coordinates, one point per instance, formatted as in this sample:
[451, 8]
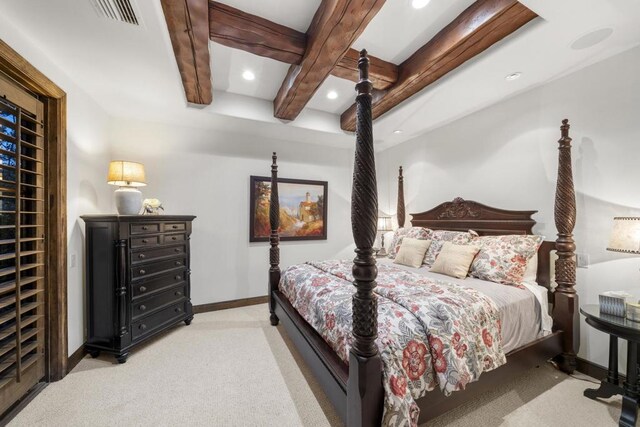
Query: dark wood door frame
[55, 103]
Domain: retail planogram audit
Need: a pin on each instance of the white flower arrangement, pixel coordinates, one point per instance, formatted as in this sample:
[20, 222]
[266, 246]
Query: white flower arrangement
[152, 206]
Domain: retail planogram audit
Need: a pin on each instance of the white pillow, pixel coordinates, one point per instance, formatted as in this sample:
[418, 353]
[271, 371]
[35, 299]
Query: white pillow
[531, 272]
[454, 260]
[441, 236]
[411, 252]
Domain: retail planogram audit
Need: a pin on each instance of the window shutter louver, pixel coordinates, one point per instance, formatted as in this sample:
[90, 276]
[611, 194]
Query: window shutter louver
[22, 254]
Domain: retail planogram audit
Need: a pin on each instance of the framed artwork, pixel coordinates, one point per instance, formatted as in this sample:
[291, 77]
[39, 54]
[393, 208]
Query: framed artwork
[303, 209]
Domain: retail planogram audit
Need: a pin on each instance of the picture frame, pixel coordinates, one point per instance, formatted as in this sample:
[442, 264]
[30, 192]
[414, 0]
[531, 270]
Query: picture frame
[303, 209]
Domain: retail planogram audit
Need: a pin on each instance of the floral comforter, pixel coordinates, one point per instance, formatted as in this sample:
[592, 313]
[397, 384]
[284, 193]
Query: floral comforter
[430, 332]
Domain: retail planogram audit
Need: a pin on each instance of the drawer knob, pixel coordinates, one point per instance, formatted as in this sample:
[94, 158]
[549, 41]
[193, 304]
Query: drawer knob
[174, 226]
[178, 277]
[142, 256]
[178, 262]
[178, 309]
[143, 289]
[145, 241]
[143, 326]
[144, 227]
[178, 293]
[143, 271]
[174, 238]
[177, 250]
[143, 307]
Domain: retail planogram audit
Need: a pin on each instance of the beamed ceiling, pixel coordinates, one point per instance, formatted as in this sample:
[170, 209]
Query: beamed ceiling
[184, 64]
[325, 48]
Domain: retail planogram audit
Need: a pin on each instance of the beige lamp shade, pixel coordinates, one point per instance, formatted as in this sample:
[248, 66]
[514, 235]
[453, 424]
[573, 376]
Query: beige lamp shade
[126, 174]
[625, 236]
[384, 223]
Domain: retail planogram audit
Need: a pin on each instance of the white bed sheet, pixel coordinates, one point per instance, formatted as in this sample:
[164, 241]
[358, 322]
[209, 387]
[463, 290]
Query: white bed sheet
[524, 313]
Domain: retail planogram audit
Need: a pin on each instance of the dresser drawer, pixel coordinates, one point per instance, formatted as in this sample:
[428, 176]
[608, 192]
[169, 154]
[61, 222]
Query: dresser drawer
[162, 299]
[141, 242]
[174, 226]
[148, 287]
[156, 268]
[144, 227]
[152, 254]
[173, 238]
[157, 320]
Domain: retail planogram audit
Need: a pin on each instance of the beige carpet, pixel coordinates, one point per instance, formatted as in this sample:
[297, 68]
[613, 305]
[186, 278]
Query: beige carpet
[231, 368]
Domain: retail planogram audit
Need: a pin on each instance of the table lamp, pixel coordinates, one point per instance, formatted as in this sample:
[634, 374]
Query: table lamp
[625, 236]
[384, 225]
[127, 176]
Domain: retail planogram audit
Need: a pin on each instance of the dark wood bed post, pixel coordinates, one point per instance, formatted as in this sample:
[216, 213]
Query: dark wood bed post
[400, 210]
[364, 387]
[274, 239]
[565, 309]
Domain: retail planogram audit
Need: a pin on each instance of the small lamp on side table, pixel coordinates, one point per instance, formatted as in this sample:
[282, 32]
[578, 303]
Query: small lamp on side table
[625, 236]
[384, 225]
[127, 175]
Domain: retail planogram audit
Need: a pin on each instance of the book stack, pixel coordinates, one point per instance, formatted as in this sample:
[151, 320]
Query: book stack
[613, 302]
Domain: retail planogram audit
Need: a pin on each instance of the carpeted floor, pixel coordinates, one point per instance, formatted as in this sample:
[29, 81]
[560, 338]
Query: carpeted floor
[231, 368]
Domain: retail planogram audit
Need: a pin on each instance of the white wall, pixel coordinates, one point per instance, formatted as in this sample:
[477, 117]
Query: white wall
[206, 173]
[87, 151]
[506, 156]
[193, 171]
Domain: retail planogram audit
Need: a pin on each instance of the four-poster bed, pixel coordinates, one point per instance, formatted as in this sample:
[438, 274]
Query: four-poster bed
[356, 389]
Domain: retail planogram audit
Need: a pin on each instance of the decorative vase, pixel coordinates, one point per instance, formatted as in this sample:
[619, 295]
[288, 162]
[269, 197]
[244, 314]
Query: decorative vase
[128, 201]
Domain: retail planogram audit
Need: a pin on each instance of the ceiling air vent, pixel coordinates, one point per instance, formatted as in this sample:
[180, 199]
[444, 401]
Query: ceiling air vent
[119, 10]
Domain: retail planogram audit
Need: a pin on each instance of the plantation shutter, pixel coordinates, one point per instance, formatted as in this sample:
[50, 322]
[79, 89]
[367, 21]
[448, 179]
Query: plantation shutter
[22, 233]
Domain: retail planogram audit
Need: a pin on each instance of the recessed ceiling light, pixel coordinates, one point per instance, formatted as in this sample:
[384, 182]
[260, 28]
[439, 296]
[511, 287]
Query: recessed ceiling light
[419, 4]
[591, 39]
[513, 76]
[248, 75]
[397, 131]
[332, 94]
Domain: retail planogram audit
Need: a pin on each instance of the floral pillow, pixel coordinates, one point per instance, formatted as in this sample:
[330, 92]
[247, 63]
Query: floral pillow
[394, 245]
[411, 232]
[439, 237]
[503, 259]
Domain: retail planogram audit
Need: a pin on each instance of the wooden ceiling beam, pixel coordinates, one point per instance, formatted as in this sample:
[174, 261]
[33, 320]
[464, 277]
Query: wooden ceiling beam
[483, 24]
[240, 30]
[335, 27]
[188, 24]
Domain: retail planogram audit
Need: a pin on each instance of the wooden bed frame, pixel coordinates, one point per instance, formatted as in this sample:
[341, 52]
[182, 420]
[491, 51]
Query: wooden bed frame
[356, 390]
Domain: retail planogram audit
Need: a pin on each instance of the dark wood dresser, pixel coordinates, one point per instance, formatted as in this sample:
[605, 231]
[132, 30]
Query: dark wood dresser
[137, 270]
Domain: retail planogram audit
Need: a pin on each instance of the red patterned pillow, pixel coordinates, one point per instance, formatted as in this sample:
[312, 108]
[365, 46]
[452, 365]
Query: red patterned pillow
[411, 232]
[394, 246]
[503, 259]
[439, 237]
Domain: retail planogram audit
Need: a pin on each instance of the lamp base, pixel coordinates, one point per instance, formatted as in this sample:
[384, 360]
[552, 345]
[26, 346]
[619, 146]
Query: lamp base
[128, 201]
[382, 252]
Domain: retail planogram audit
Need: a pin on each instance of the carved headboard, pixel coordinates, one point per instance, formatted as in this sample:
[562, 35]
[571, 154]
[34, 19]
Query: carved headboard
[466, 215]
[463, 215]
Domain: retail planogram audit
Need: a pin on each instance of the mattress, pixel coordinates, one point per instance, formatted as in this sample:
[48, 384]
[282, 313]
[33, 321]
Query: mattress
[524, 313]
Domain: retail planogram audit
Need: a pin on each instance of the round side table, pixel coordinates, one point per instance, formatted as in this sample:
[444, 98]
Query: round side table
[618, 327]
